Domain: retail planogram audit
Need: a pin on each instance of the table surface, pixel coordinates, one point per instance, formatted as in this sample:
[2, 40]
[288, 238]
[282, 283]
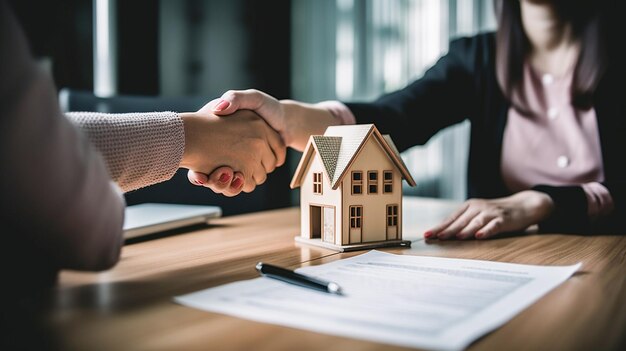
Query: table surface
[130, 306]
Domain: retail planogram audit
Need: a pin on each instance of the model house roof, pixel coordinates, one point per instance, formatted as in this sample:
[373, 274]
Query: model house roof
[339, 147]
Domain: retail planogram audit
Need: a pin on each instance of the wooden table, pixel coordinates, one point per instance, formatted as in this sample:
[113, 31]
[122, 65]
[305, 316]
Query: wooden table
[130, 307]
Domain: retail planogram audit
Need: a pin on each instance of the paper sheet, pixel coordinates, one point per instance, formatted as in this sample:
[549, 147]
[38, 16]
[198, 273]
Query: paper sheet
[413, 301]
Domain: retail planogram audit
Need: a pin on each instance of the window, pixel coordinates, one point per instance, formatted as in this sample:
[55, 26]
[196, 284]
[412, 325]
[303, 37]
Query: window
[392, 215]
[356, 217]
[357, 183]
[372, 182]
[387, 182]
[317, 183]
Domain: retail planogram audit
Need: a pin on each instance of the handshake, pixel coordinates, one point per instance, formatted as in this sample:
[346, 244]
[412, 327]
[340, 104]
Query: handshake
[233, 142]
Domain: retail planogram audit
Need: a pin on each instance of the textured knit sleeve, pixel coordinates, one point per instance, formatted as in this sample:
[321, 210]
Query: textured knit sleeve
[58, 206]
[140, 149]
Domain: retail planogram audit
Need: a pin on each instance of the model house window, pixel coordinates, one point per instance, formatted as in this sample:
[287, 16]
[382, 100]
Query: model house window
[317, 183]
[392, 215]
[372, 182]
[387, 182]
[357, 182]
[356, 217]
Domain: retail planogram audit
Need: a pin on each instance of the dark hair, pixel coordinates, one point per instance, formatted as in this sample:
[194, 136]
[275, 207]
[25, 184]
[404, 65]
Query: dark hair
[513, 46]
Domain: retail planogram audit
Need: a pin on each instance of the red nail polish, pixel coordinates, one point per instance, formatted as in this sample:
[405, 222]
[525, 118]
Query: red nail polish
[237, 183]
[224, 177]
[222, 105]
[428, 234]
[480, 235]
[199, 182]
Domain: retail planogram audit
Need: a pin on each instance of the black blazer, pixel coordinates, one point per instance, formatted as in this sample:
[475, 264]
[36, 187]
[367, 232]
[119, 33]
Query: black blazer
[462, 85]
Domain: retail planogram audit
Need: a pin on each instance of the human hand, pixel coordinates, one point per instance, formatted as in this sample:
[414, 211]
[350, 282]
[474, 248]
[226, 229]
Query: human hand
[482, 219]
[243, 142]
[222, 180]
[295, 121]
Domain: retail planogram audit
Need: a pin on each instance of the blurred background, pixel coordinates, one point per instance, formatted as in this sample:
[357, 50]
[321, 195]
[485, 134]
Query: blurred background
[146, 55]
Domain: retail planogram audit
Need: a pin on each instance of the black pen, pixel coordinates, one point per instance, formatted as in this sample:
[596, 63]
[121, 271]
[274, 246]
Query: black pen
[292, 277]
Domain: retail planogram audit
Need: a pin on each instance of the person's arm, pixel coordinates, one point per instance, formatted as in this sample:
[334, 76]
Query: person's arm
[294, 120]
[139, 149]
[485, 218]
[445, 95]
[57, 203]
[592, 208]
[412, 115]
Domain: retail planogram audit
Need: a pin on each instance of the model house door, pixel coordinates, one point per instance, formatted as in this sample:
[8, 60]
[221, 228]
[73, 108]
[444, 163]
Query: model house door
[392, 222]
[329, 224]
[356, 224]
[316, 222]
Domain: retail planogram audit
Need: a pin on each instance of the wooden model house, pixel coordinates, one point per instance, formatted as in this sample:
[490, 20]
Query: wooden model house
[351, 189]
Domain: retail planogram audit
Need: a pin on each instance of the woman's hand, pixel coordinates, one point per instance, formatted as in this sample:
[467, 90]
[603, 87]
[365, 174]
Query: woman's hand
[243, 143]
[263, 104]
[482, 219]
[223, 180]
[294, 121]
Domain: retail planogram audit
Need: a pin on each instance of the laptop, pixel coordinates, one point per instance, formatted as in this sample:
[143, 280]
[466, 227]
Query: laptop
[150, 218]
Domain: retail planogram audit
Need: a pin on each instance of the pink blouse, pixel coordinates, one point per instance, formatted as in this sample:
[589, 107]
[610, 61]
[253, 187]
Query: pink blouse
[558, 145]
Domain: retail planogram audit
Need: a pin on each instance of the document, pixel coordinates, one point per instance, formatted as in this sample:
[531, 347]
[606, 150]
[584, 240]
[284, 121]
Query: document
[411, 301]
